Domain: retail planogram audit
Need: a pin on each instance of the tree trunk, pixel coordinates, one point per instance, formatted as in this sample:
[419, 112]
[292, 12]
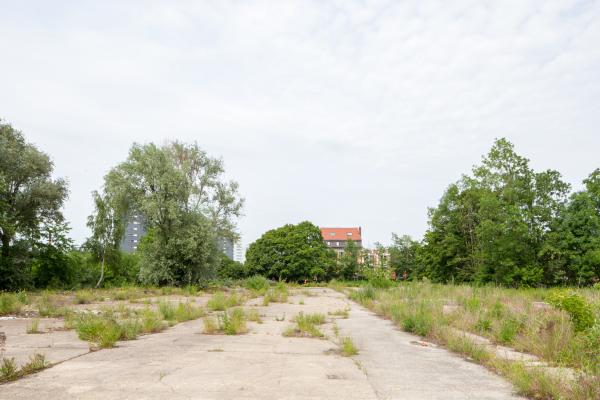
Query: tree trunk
[101, 270]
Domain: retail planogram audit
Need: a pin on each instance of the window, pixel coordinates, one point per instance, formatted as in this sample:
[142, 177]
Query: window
[331, 233]
[337, 243]
[135, 228]
[135, 234]
[349, 234]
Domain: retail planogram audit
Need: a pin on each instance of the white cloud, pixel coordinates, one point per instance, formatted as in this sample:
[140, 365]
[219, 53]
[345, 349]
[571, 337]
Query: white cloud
[344, 113]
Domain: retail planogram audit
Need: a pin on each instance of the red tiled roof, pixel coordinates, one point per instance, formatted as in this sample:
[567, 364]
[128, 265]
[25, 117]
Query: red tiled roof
[341, 233]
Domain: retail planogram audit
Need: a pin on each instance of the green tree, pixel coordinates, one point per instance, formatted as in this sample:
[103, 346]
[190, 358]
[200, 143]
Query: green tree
[29, 199]
[349, 261]
[494, 226]
[186, 204]
[292, 253]
[403, 256]
[106, 230]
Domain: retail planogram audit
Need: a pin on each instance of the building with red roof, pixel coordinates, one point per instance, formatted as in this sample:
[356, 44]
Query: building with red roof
[337, 238]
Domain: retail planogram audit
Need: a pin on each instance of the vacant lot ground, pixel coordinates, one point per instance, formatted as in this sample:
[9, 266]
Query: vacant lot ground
[184, 363]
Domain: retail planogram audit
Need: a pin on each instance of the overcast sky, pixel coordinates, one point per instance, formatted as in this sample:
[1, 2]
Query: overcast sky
[339, 112]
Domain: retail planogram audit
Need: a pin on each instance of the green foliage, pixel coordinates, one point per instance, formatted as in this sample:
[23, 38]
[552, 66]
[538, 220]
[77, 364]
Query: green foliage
[100, 330]
[348, 347]
[233, 322]
[278, 294]
[257, 283]
[418, 320]
[292, 253]
[230, 269]
[349, 265]
[403, 256]
[30, 204]
[185, 202]
[306, 326]
[10, 303]
[507, 224]
[580, 311]
[220, 302]
[8, 370]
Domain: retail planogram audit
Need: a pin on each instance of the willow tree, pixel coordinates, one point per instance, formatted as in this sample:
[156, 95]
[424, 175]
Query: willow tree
[186, 204]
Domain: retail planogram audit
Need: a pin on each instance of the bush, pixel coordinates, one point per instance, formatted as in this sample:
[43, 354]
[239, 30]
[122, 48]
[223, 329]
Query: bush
[99, 330]
[508, 331]
[220, 302]
[348, 347]
[186, 312]
[580, 311]
[233, 322]
[257, 283]
[8, 370]
[278, 294]
[418, 319]
[9, 304]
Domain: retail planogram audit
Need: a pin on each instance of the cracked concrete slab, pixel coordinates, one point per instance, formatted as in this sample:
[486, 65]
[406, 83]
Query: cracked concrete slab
[183, 363]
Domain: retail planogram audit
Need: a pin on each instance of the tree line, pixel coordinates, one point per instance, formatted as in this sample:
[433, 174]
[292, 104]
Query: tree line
[503, 223]
[180, 190]
[507, 224]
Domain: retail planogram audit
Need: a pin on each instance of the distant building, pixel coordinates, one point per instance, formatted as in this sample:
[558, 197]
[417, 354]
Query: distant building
[238, 251]
[336, 238]
[377, 257]
[226, 246]
[134, 230]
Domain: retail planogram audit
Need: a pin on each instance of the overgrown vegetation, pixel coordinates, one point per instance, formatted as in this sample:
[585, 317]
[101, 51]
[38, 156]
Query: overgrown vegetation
[509, 225]
[9, 370]
[566, 333]
[306, 325]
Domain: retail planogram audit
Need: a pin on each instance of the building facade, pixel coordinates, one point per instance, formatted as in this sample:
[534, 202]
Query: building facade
[337, 238]
[134, 230]
[226, 246]
[239, 254]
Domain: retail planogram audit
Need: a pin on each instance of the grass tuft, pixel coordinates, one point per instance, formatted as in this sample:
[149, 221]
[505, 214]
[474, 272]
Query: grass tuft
[348, 348]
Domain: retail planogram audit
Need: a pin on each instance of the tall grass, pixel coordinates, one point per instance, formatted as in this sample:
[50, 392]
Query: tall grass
[566, 334]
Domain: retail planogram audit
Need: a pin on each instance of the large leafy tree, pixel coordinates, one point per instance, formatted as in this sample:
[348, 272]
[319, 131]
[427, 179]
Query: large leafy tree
[573, 251]
[30, 199]
[291, 252]
[186, 204]
[493, 226]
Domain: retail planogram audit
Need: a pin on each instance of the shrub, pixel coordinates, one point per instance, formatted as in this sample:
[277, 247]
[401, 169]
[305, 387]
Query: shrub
[257, 283]
[9, 304]
[252, 315]
[348, 347]
[85, 297]
[186, 312]
[8, 370]
[34, 326]
[99, 330]
[151, 321]
[220, 302]
[579, 310]
[306, 325]
[167, 310]
[278, 294]
[508, 331]
[233, 322]
[210, 325]
[130, 329]
[418, 320]
[483, 324]
[37, 362]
